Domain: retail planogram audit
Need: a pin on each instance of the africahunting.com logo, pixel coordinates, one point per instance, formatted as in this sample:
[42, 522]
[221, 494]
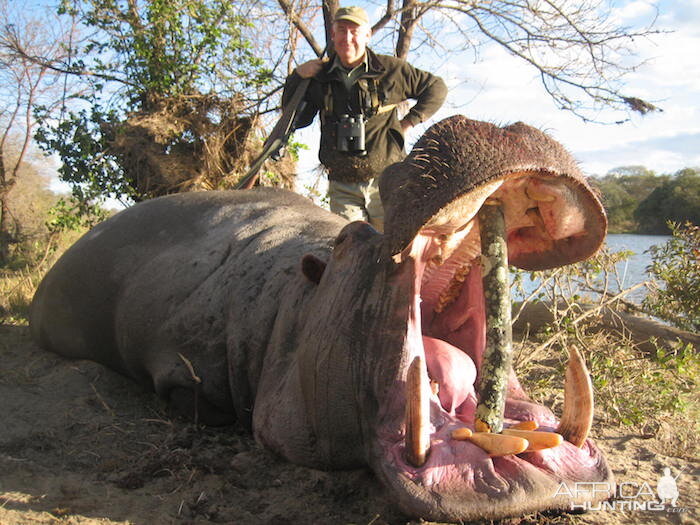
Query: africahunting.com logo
[627, 495]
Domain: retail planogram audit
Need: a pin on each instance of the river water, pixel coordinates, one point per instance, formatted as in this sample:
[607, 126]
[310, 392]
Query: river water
[632, 270]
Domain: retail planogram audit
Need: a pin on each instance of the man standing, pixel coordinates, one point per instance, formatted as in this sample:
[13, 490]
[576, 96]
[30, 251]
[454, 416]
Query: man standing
[356, 92]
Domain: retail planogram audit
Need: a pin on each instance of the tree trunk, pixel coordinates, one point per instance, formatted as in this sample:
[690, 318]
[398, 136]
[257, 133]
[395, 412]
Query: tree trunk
[409, 20]
[642, 330]
[5, 236]
[329, 9]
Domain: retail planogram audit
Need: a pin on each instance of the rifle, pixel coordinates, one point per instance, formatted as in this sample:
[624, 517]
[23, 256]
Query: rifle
[279, 135]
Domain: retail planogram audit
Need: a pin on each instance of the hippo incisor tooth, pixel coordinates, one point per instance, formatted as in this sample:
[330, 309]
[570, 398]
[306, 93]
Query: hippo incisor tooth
[577, 419]
[417, 413]
[537, 440]
[499, 444]
[461, 434]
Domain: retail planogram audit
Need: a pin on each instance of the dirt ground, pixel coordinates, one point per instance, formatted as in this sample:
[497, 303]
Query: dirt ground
[80, 444]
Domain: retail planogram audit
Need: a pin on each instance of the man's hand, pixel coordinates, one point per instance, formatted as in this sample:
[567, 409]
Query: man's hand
[311, 68]
[405, 126]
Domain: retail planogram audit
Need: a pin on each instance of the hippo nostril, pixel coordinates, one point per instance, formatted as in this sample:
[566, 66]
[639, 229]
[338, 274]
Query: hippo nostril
[360, 230]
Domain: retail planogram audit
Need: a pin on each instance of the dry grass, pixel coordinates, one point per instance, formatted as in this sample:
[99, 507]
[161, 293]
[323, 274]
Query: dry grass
[652, 395]
[19, 282]
[16, 292]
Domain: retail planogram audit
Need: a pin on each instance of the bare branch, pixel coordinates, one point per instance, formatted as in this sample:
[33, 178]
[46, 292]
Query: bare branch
[294, 18]
[11, 44]
[386, 17]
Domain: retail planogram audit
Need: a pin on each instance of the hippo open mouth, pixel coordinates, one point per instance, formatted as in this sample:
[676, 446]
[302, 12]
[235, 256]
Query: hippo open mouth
[431, 456]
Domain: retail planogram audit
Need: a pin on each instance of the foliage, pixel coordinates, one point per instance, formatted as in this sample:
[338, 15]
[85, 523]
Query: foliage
[150, 68]
[80, 142]
[632, 386]
[46, 225]
[639, 201]
[28, 201]
[33, 258]
[677, 265]
[23, 84]
[622, 190]
[74, 215]
[18, 281]
[16, 292]
[161, 48]
[676, 199]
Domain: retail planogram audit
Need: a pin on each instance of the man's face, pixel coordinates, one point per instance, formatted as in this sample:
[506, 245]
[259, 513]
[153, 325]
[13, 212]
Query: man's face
[350, 41]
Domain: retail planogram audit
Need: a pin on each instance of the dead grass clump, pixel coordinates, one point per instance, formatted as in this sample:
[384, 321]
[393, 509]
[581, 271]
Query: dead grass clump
[189, 143]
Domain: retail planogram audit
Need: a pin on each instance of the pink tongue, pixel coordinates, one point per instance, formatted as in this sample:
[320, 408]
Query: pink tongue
[452, 369]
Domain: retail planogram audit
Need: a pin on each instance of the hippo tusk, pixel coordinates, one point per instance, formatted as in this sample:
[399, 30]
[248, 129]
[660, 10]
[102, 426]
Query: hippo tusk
[577, 419]
[498, 353]
[417, 413]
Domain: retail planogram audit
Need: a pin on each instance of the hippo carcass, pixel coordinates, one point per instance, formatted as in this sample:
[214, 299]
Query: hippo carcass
[261, 307]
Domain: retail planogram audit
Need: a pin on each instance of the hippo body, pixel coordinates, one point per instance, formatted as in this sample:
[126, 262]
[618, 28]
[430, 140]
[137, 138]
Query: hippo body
[159, 279]
[260, 307]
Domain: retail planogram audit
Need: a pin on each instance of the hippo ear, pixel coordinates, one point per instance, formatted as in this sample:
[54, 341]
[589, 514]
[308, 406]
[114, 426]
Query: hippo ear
[312, 267]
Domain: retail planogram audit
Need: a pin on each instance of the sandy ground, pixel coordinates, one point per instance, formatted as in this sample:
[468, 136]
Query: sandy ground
[80, 444]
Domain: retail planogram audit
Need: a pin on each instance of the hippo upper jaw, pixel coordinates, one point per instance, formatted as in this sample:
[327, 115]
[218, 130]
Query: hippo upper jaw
[556, 218]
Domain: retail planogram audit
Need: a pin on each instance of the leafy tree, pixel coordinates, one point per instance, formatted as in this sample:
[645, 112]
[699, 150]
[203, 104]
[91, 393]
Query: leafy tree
[631, 171]
[676, 199]
[677, 265]
[623, 188]
[170, 102]
[23, 84]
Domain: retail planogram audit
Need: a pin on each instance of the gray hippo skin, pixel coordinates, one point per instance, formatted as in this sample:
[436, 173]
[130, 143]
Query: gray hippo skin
[260, 307]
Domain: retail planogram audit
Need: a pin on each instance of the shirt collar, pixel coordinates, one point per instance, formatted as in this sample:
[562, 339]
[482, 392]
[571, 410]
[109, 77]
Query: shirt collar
[337, 64]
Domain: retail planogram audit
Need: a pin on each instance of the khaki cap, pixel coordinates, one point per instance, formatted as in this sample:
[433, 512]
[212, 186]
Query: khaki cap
[353, 14]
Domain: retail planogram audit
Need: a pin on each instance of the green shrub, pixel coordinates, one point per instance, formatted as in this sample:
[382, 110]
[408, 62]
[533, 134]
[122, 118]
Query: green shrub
[676, 264]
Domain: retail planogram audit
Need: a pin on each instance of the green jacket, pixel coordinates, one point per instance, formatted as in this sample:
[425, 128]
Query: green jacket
[396, 80]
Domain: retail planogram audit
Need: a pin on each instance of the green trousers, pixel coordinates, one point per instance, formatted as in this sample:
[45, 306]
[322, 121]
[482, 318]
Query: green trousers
[357, 201]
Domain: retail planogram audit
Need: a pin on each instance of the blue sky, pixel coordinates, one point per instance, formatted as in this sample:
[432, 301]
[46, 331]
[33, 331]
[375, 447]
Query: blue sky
[499, 88]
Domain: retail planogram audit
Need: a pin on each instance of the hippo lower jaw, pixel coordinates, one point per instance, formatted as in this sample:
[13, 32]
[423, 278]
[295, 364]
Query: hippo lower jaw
[446, 330]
